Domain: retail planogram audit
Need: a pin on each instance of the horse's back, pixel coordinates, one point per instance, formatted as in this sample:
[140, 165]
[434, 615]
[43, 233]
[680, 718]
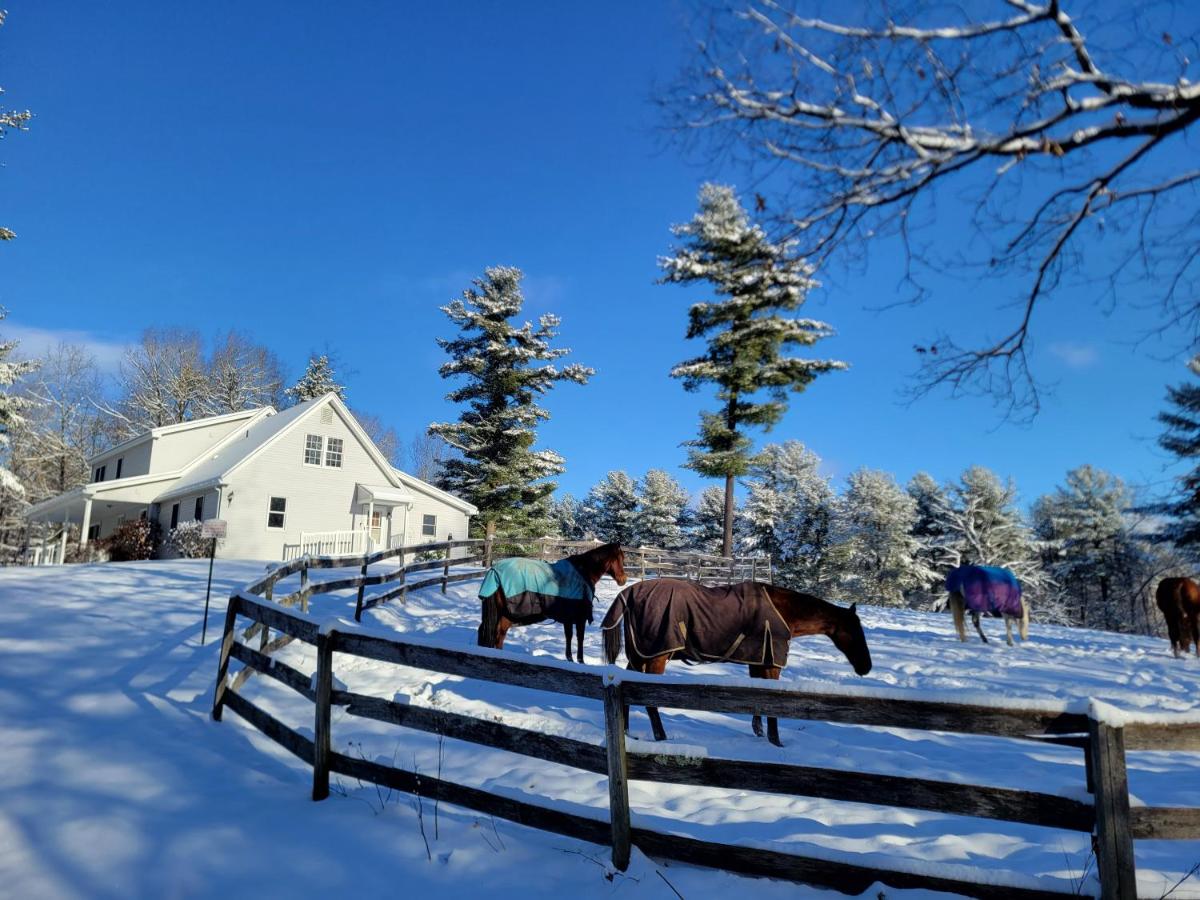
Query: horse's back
[992, 590]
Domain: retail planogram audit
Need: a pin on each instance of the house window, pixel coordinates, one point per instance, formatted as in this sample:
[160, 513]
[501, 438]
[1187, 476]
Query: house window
[333, 452]
[174, 515]
[276, 511]
[429, 526]
[312, 450]
[199, 514]
[100, 474]
[120, 462]
[93, 533]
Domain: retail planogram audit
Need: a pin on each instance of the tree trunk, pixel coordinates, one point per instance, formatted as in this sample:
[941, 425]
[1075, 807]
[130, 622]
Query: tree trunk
[727, 537]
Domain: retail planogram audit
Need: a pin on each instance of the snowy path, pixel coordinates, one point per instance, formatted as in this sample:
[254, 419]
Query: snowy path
[115, 783]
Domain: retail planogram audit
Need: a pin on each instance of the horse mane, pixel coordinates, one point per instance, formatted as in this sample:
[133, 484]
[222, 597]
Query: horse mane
[802, 604]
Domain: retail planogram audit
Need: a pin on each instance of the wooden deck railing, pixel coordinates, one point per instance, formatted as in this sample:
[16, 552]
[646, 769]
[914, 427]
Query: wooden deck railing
[1109, 816]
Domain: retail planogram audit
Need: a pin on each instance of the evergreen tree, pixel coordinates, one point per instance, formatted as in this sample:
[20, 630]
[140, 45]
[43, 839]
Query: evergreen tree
[1182, 440]
[746, 332]
[610, 509]
[317, 381]
[507, 368]
[708, 522]
[789, 515]
[660, 517]
[1090, 549]
[12, 492]
[879, 555]
[931, 533]
[566, 514]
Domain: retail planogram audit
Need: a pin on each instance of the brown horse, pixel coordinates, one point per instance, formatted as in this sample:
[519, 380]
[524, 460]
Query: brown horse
[1179, 600]
[801, 614]
[498, 615]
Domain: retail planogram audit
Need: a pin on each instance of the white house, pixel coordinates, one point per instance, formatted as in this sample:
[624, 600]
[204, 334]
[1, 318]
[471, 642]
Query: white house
[302, 480]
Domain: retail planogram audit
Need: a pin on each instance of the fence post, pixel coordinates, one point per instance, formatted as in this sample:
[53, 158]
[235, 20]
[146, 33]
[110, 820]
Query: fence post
[361, 587]
[489, 540]
[231, 612]
[446, 570]
[618, 772]
[321, 739]
[1114, 840]
[304, 587]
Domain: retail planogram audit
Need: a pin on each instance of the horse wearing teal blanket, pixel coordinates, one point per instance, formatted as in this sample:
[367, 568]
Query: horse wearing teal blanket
[988, 591]
[521, 591]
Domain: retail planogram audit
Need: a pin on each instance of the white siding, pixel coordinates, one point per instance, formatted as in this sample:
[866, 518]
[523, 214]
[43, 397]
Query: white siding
[187, 513]
[135, 461]
[319, 498]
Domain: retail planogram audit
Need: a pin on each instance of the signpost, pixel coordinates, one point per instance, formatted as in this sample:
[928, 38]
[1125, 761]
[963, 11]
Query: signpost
[213, 529]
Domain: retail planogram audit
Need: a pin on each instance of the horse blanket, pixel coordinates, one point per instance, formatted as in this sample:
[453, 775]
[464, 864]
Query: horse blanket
[988, 590]
[731, 623]
[536, 590]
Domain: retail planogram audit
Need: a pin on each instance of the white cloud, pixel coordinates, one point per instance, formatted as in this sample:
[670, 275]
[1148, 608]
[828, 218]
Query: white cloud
[35, 342]
[1077, 356]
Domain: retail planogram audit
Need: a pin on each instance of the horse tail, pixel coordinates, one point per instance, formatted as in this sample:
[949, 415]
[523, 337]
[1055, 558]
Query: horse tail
[957, 607]
[1024, 620]
[489, 623]
[611, 629]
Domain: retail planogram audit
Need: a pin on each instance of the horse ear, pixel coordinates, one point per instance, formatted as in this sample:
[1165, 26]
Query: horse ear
[853, 606]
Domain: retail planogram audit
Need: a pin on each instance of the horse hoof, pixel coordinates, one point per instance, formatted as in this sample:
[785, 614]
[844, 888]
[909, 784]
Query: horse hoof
[777, 742]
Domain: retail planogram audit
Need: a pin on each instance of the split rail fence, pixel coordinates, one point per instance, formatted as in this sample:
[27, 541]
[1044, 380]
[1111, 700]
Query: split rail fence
[1108, 816]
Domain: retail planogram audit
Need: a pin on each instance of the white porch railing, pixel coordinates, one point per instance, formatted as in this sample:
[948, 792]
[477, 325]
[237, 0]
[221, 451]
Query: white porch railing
[46, 554]
[334, 543]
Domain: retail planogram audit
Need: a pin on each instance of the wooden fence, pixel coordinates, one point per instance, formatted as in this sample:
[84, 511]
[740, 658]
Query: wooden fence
[1109, 816]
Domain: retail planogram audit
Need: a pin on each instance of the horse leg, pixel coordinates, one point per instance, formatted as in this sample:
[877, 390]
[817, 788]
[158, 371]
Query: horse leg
[1008, 630]
[956, 607]
[579, 637]
[771, 673]
[656, 666]
[567, 635]
[502, 630]
[1194, 621]
[975, 621]
[756, 722]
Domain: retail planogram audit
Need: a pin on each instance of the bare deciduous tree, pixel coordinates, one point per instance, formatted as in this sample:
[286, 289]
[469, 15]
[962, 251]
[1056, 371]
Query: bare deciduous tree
[242, 375]
[164, 382]
[1062, 126]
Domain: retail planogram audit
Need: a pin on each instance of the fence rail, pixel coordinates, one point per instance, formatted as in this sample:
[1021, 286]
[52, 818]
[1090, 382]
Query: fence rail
[1115, 825]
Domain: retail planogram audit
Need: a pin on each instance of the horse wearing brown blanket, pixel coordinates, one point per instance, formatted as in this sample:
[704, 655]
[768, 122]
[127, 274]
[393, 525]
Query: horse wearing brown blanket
[751, 623]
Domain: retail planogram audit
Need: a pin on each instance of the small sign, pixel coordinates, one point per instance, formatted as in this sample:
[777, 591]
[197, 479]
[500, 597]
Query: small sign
[213, 528]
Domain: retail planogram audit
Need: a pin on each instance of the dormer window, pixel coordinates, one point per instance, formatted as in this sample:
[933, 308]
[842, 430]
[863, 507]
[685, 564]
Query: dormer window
[120, 462]
[333, 452]
[312, 449]
[100, 473]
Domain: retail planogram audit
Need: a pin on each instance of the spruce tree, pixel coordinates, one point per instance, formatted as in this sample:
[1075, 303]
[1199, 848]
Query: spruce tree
[506, 368]
[610, 509]
[317, 381]
[660, 517]
[707, 524]
[1182, 440]
[790, 515]
[879, 555]
[757, 281]
[566, 515]
[931, 532]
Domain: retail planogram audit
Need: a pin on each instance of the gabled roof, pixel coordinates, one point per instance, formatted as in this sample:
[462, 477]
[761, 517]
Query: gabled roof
[218, 465]
[155, 433]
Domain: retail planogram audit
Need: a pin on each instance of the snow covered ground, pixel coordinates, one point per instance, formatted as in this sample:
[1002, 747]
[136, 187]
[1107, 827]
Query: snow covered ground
[114, 782]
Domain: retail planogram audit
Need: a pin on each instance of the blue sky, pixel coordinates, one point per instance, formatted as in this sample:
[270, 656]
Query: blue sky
[328, 176]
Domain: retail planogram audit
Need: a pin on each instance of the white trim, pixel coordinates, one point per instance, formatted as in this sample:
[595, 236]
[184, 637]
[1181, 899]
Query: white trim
[412, 481]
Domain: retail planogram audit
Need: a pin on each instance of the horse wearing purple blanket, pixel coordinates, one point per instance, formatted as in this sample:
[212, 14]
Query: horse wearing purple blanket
[990, 591]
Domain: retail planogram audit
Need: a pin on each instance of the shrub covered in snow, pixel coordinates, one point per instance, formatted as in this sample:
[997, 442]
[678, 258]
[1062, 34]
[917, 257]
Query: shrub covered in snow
[133, 541]
[185, 541]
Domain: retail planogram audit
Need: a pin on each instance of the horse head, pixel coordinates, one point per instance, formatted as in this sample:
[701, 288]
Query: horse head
[847, 635]
[614, 563]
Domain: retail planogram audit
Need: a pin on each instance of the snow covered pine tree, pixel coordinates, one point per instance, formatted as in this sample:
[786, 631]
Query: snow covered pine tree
[746, 333]
[506, 367]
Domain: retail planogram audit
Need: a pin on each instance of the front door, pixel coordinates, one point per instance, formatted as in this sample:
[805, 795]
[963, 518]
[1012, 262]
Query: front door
[376, 527]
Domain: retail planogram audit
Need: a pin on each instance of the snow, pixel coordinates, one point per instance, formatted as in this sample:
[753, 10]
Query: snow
[116, 783]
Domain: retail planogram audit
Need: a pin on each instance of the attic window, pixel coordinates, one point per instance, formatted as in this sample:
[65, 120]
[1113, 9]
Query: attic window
[312, 449]
[333, 452]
